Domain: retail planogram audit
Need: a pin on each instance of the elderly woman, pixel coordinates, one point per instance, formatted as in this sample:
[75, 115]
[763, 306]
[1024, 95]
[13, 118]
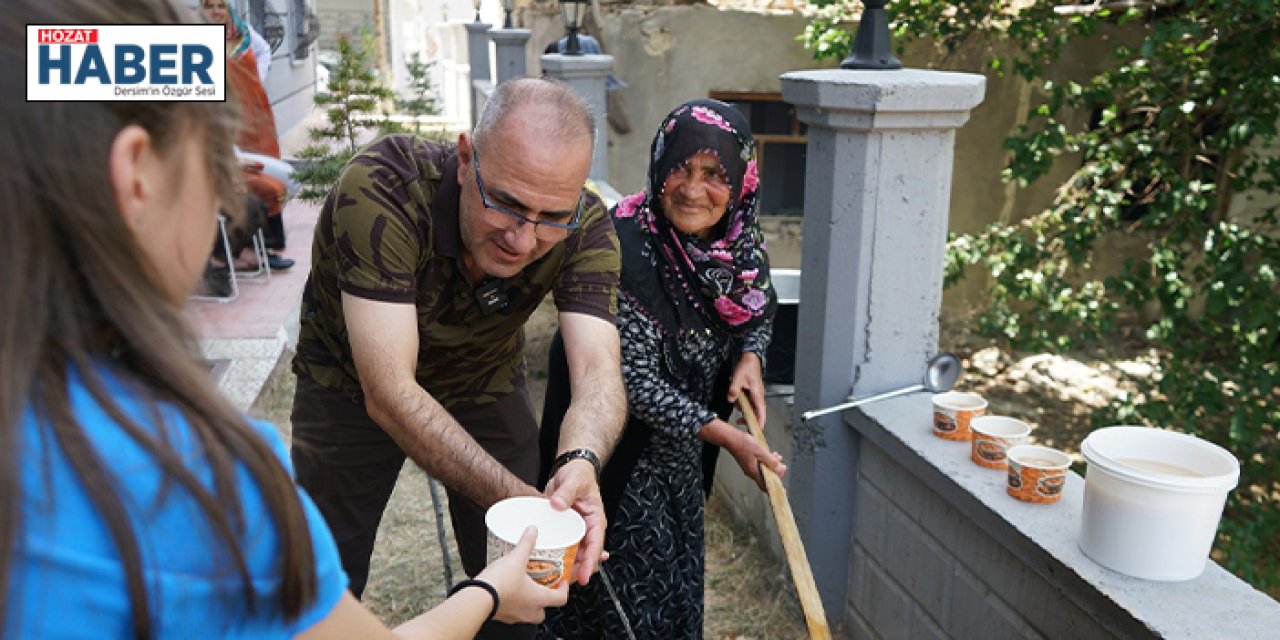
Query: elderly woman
[695, 308]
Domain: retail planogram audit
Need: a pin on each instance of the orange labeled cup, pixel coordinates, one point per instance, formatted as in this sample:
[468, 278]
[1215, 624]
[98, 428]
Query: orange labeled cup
[993, 436]
[1037, 474]
[952, 412]
[559, 533]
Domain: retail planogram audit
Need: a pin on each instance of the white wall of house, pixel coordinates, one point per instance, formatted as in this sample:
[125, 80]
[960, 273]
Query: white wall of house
[291, 83]
[410, 26]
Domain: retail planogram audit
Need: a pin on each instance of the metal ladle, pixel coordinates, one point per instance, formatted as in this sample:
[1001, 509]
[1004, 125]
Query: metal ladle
[944, 369]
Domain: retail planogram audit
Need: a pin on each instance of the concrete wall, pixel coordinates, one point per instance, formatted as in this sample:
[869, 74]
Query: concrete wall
[342, 17]
[451, 74]
[291, 85]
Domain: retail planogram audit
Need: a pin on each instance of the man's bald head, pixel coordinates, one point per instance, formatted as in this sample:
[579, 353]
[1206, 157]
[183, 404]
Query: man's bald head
[541, 107]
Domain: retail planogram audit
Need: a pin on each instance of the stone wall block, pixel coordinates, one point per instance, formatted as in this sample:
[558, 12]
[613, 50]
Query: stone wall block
[509, 53]
[886, 605]
[585, 74]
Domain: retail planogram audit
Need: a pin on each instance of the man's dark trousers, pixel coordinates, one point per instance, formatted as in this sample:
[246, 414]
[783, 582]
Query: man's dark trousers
[349, 466]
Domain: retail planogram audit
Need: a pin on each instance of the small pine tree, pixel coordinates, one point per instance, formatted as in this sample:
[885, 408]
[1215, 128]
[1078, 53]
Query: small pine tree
[422, 100]
[354, 95]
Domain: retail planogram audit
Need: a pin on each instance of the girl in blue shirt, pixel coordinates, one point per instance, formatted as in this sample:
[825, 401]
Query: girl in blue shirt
[135, 502]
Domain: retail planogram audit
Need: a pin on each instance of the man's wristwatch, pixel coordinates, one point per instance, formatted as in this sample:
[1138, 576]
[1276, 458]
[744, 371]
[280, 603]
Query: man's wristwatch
[576, 454]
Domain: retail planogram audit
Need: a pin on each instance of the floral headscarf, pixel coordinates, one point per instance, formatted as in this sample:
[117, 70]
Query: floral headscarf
[720, 282]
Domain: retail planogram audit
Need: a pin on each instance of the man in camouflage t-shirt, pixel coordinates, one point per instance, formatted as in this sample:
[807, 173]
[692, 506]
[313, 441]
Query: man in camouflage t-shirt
[425, 267]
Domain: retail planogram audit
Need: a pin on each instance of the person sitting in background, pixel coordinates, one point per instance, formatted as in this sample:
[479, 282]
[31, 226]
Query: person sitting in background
[695, 314]
[257, 134]
[135, 501]
[263, 197]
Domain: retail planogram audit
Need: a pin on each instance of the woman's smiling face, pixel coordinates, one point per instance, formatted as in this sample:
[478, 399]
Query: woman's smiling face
[696, 195]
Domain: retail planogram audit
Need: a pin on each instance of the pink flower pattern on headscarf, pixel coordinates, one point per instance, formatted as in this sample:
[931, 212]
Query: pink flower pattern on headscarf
[707, 116]
[721, 255]
[750, 180]
[733, 314]
[627, 206]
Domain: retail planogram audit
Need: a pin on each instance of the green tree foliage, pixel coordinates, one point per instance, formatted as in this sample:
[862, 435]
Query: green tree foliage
[422, 98]
[1183, 129]
[352, 103]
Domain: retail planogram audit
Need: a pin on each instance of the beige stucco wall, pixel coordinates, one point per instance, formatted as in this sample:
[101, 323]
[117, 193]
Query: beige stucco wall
[342, 17]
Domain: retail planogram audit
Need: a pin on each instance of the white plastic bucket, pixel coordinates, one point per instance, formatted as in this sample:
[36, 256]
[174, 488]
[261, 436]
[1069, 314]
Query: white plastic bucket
[1152, 500]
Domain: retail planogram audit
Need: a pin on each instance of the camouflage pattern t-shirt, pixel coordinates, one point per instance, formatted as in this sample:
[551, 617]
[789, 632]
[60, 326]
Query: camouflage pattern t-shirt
[389, 231]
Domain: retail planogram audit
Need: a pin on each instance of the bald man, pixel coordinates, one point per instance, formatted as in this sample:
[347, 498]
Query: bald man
[428, 260]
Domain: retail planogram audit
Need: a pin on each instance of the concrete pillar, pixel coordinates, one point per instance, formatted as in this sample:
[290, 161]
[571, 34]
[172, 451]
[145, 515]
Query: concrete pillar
[585, 75]
[877, 189]
[478, 61]
[508, 46]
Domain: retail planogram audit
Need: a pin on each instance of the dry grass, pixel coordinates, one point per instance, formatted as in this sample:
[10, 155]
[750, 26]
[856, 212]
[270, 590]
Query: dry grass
[406, 576]
[748, 594]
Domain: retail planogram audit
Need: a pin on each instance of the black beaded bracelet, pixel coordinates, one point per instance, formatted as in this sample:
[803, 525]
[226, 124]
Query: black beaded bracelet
[576, 454]
[483, 585]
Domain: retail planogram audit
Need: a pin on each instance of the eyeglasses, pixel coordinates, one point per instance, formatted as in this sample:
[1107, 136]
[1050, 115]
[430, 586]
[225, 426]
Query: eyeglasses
[544, 230]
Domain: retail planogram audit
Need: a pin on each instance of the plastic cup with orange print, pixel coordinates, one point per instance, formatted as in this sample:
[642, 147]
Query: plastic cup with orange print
[993, 436]
[952, 412]
[559, 533]
[1037, 474]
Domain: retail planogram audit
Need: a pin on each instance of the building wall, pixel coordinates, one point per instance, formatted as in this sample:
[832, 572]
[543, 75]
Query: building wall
[671, 54]
[342, 17]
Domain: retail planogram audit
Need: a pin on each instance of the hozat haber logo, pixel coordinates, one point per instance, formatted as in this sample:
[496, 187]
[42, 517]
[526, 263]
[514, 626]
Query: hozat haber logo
[174, 63]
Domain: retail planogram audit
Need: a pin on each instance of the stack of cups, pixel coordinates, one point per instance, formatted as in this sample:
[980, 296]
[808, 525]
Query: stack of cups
[1035, 474]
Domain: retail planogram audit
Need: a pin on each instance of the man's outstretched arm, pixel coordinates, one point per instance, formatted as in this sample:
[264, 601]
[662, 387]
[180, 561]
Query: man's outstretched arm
[594, 422]
[384, 344]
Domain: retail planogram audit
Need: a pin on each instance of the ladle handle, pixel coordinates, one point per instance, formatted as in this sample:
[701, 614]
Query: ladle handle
[809, 415]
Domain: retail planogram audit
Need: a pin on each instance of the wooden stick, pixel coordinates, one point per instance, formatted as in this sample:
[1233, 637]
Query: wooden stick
[801, 574]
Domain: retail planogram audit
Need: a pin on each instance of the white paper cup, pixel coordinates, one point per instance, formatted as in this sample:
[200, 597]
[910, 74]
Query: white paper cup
[559, 533]
[952, 412]
[1037, 474]
[993, 436]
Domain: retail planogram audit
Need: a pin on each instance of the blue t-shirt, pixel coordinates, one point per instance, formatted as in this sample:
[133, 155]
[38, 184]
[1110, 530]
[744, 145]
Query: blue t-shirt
[67, 579]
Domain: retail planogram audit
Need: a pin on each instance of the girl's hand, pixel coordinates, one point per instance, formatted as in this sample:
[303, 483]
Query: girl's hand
[520, 598]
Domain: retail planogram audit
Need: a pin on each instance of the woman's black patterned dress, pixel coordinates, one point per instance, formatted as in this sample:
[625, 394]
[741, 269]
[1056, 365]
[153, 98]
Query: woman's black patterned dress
[655, 538]
[691, 302]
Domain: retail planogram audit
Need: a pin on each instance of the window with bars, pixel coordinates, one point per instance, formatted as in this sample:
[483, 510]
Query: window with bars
[780, 149]
[268, 22]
